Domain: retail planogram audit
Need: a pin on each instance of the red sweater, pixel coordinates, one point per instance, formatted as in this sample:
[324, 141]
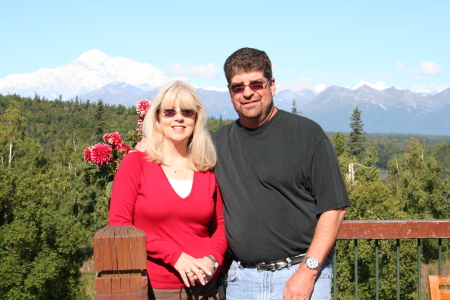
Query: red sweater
[143, 197]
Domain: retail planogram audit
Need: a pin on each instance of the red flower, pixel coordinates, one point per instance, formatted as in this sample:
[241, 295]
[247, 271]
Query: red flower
[113, 139]
[100, 154]
[142, 107]
[87, 154]
[140, 123]
[124, 148]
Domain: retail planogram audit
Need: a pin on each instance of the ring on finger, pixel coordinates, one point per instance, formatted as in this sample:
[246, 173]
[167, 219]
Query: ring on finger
[187, 272]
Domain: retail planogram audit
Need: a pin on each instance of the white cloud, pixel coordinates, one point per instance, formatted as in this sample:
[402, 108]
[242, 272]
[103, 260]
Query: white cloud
[440, 87]
[430, 68]
[210, 71]
[400, 67]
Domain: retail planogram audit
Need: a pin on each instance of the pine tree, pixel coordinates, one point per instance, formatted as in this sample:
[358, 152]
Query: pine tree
[12, 128]
[294, 107]
[357, 139]
[339, 143]
[99, 117]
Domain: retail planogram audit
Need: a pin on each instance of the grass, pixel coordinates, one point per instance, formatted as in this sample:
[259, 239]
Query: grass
[431, 269]
[87, 280]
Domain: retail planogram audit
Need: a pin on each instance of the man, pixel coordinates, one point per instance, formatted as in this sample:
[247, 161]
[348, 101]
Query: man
[283, 192]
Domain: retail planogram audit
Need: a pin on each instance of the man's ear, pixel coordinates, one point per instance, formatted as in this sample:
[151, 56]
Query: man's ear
[273, 87]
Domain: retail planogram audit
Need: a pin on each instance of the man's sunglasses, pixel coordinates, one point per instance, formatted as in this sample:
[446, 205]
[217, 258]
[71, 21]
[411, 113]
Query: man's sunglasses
[170, 113]
[254, 86]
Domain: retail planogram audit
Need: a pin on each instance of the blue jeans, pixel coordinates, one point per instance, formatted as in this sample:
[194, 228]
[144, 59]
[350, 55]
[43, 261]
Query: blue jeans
[251, 284]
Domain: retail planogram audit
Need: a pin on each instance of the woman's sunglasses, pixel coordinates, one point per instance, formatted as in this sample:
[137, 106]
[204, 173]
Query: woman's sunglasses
[170, 113]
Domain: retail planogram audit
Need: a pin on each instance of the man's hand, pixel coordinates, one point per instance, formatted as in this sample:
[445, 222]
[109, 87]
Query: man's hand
[301, 285]
[141, 145]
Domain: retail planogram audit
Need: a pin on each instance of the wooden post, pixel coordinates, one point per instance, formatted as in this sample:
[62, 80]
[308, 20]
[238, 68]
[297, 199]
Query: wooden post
[120, 258]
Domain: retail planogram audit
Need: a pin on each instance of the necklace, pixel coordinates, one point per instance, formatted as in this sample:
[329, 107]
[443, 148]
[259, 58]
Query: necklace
[173, 170]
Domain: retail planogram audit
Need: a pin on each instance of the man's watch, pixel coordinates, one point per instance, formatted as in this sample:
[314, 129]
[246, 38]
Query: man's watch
[215, 263]
[312, 263]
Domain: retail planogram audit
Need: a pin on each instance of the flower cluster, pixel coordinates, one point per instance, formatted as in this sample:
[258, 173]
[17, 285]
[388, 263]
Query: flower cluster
[99, 154]
[105, 157]
[103, 154]
[116, 142]
[141, 108]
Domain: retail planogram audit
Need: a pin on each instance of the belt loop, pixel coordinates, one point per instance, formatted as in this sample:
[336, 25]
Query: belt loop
[288, 262]
[240, 264]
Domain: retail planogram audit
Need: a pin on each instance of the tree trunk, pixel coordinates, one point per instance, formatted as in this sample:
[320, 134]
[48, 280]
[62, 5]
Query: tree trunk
[10, 153]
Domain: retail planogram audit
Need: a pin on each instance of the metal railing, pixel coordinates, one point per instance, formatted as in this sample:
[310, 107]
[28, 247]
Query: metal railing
[391, 230]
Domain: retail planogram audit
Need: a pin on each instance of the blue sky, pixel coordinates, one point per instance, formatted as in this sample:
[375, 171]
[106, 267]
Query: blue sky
[401, 43]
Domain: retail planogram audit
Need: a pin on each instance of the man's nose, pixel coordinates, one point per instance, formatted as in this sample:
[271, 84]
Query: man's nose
[247, 91]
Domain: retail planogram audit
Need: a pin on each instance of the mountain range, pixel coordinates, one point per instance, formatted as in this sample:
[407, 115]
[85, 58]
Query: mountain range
[94, 76]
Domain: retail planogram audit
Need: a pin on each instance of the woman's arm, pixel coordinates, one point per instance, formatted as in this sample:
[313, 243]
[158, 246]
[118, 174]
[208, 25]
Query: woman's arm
[218, 240]
[217, 228]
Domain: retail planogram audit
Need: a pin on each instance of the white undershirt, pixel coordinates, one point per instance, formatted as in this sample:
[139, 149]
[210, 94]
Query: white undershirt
[182, 187]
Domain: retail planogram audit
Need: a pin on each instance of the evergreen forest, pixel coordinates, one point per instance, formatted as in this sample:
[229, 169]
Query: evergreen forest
[52, 202]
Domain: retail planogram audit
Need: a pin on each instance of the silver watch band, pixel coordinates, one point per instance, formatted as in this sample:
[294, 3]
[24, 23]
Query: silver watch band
[214, 261]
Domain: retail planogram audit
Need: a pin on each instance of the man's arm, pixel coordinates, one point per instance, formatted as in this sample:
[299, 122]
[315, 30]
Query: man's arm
[301, 284]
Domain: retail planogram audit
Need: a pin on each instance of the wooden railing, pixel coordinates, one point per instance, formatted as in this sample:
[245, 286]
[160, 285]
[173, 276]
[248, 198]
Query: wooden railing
[392, 230]
[395, 229]
[120, 257]
[120, 252]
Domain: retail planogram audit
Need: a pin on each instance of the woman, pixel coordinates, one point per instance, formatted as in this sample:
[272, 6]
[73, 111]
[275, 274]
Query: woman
[171, 193]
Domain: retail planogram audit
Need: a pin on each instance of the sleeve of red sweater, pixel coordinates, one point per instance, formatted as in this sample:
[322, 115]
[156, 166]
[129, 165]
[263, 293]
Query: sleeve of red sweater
[124, 194]
[218, 240]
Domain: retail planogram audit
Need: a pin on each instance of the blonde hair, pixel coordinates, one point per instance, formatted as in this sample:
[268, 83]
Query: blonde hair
[201, 152]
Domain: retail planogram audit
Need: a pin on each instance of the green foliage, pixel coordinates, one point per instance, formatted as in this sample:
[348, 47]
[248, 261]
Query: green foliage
[52, 202]
[99, 116]
[339, 143]
[441, 152]
[214, 124]
[393, 144]
[356, 142]
[415, 179]
[414, 189]
[42, 235]
[294, 108]
[366, 269]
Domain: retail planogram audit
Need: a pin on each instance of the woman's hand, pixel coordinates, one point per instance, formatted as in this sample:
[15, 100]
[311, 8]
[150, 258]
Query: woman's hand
[192, 269]
[206, 261]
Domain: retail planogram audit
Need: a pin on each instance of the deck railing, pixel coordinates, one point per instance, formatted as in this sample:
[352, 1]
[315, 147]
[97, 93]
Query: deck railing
[351, 230]
[391, 230]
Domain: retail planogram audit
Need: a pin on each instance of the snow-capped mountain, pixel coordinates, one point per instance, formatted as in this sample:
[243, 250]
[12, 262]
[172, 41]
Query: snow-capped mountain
[387, 111]
[94, 76]
[116, 93]
[89, 72]
[380, 85]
